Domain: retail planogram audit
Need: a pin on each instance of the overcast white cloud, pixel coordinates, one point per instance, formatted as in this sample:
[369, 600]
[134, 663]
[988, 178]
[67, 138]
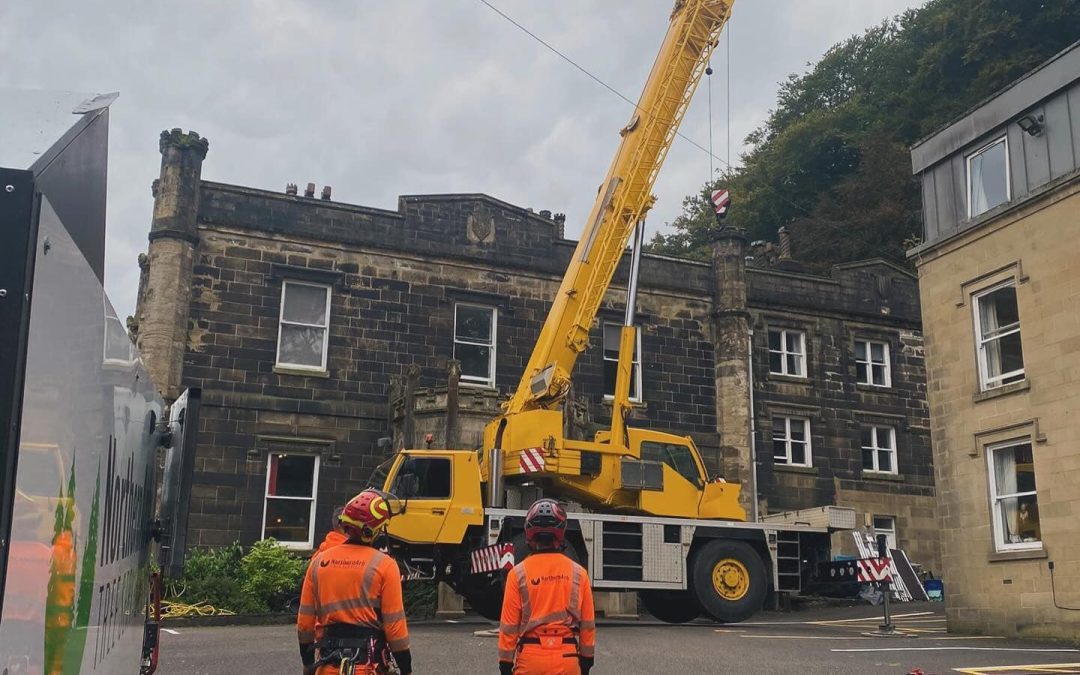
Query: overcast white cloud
[379, 99]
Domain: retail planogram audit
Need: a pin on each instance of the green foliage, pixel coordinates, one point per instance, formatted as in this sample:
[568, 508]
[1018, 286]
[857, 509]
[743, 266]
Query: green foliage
[226, 578]
[271, 573]
[831, 162]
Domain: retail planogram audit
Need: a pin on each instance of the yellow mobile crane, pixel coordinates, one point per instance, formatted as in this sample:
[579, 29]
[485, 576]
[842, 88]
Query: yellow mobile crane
[645, 515]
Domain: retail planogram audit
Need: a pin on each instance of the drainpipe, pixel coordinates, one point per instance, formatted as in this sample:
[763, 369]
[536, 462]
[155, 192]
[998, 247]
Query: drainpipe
[753, 429]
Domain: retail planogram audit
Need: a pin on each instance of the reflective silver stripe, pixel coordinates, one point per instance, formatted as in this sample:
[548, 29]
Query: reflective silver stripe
[398, 645]
[586, 650]
[508, 628]
[506, 655]
[307, 610]
[315, 585]
[575, 594]
[393, 616]
[554, 617]
[369, 577]
[305, 636]
[349, 604]
[523, 591]
[587, 625]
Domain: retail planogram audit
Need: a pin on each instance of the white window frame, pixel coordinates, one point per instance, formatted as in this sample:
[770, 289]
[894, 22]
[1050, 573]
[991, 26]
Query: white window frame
[786, 459]
[1008, 177]
[635, 360]
[875, 447]
[889, 532]
[784, 353]
[472, 380]
[314, 498]
[282, 321]
[870, 363]
[998, 526]
[985, 382]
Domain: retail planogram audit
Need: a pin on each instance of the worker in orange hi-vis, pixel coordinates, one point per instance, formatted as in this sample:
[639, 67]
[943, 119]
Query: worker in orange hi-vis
[548, 626]
[351, 599]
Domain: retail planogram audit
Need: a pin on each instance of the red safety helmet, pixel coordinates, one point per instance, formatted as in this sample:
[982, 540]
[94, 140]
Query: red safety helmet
[366, 515]
[545, 524]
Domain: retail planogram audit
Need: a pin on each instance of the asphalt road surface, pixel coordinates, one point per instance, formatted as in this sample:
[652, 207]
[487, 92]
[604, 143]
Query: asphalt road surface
[831, 640]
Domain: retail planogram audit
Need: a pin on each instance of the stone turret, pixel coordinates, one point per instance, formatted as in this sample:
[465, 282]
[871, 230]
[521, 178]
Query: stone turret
[731, 347]
[164, 303]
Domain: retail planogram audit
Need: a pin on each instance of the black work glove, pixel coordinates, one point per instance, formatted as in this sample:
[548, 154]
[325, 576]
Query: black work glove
[506, 668]
[586, 664]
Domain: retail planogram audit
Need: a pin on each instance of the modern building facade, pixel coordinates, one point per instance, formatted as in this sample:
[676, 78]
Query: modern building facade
[1000, 298]
[325, 335]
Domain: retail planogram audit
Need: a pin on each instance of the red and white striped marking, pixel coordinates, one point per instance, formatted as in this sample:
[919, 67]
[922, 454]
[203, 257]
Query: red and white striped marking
[874, 569]
[720, 200]
[531, 460]
[491, 558]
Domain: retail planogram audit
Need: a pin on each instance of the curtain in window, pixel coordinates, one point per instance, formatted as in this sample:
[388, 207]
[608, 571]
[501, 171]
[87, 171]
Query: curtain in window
[1005, 479]
[989, 324]
[979, 200]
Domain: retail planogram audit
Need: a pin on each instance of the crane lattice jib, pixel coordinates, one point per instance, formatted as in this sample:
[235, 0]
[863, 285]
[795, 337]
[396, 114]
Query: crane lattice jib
[622, 200]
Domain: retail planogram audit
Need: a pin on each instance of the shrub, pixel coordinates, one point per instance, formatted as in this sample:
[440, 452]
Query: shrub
[225, 578]
[421, 599]
[271, 574]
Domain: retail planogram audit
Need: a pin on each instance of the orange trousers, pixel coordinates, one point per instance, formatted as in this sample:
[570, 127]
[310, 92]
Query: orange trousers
[553, 659]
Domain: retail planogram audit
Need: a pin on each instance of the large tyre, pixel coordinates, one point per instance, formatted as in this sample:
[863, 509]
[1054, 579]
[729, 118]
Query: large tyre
[728, 579]
[486, 604]
[671, 606]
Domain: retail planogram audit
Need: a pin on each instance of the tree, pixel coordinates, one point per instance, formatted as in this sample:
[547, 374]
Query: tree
[831, 162]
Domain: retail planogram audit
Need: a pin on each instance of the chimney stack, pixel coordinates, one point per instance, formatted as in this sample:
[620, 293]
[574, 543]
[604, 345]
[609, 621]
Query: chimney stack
[785, 244]
[309, 191]
[326, 192]
[560, 222]
[544, 213]
[290, 189]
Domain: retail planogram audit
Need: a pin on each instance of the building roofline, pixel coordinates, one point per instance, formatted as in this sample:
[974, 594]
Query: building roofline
[1054, 74]
[869, 262]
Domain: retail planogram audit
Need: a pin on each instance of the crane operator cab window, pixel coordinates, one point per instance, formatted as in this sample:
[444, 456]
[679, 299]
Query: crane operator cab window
[678, 457]
[423, 478]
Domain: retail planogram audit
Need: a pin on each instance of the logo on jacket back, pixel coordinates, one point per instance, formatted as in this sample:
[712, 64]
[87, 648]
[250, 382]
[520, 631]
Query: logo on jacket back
[548, 578]
[324, 563]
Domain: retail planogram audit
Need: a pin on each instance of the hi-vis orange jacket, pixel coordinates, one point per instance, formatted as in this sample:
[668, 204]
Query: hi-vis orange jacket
[353, 584]
[548, 595]
[333, 538]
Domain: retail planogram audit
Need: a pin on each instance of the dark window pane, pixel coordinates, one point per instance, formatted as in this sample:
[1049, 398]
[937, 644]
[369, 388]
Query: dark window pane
[291, 476]
[877, 352]
[779, 427]
[1012, 354]
[611, 371]
[884, 438]
[879, 375]
[304, 304]
[301, 345]
[798, 430]
[885, 460]
[860, 371]
[793, 365]
[432, 477]
[860, 351]
[798, 453]
[867, 437]
[1020, 519]
[776, 363]
[794, 342]
[868, 459]
[473, 324]
[998, 310]
[288, 519]
[774, 340]
[475, 360]
[779, 449]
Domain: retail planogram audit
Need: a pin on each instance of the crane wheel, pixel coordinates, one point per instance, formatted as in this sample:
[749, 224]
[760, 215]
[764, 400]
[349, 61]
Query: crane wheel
[728, 580]
[671, 606]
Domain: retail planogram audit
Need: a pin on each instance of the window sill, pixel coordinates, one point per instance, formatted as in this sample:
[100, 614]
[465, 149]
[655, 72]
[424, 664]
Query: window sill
[1003, 390]
[795, 468]
[476, 385]
[862, 386]
[881, 475]
[795, 379]
[302, 372]
[1023, 554]
[609, 401]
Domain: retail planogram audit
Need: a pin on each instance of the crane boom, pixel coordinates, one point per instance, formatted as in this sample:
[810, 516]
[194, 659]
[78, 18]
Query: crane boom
[621, 202]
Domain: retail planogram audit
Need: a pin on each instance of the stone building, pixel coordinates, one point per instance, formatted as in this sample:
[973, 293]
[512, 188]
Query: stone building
[324, 335]
[1001, 296]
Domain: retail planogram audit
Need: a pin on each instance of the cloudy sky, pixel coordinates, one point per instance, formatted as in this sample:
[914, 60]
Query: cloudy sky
[379, 98]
